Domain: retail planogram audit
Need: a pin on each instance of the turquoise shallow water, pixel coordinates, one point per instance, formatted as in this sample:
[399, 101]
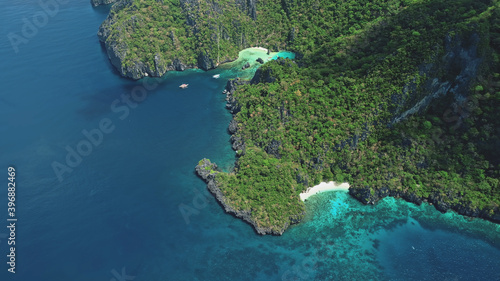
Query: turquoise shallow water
[285, 55]
[118, 212]
[393, 240]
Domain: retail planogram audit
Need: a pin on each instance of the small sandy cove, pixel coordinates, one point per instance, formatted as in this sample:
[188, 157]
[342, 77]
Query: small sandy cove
[259, 48]
[322, 187]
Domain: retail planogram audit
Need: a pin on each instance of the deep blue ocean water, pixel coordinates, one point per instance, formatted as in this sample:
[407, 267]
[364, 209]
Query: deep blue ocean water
[117, 214]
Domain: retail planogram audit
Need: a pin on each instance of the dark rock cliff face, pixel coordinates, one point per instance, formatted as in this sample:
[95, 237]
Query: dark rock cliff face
[460, 65]
[273, 148]
[105, 28]
[101, 2]
[238, 143]
[232, 103]
[263, 76]
[205, 62]
[117, 50]
[365, 196]
[248, 6]
[208, 171]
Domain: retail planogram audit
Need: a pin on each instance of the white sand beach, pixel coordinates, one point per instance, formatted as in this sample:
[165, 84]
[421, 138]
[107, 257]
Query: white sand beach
[249, 55]
[259, 48]
[322, 187]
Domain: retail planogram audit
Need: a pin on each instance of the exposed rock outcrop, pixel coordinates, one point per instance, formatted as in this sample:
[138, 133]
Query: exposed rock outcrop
[232, 103]
[238, 143]
[460, 62]
[117, 50]
[263, 76]
[233, 126]
[205, 62]
[113, 32]
[273, 148]
[460, 65]
[248, 6]
[102, 2]
[208, 172]
[371, 196]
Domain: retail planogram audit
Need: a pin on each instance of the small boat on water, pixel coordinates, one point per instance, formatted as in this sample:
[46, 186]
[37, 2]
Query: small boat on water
[216, 76]
[183, 86]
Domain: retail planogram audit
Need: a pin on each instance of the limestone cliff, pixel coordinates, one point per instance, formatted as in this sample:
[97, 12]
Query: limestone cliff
[149, 38]
[102, 2]
[208, 171]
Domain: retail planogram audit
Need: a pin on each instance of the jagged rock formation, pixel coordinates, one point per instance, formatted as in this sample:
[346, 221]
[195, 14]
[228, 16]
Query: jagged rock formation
[318, 117]
[208, 171]
[96, 3]
[365, 196]
[149, 38]
[451, 74]
[237, 142]
[460, 62]
[112, 33]
[248, 6]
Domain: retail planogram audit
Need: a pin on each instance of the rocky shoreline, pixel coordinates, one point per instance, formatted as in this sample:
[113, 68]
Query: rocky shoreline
[96, 3]
[204, 167]
[207, 171]
[237, 142]
[366, 197]
[363, 195]
[461, 56]
[117, 51]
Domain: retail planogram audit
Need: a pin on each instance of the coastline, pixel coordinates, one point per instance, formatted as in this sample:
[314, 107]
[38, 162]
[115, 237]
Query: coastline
[323, 187]
[364, 195]
[258, 48]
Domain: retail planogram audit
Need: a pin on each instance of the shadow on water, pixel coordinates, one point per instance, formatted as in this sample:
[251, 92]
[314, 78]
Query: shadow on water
[100, 102]
[102, 9]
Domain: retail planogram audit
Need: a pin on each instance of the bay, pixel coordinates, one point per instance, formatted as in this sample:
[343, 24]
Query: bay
[118, 213]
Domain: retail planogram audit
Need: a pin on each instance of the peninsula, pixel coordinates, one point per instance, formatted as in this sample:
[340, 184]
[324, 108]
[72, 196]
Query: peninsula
[398, 98]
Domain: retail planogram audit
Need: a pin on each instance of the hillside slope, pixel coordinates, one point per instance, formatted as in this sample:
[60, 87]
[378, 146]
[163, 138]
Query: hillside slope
[399, 98]
[148, 37]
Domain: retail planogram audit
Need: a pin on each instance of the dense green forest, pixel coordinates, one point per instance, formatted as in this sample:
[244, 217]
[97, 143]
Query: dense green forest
[398, 98]
[148, 31]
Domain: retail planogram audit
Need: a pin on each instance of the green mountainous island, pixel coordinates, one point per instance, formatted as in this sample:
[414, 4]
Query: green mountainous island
[398, 98]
